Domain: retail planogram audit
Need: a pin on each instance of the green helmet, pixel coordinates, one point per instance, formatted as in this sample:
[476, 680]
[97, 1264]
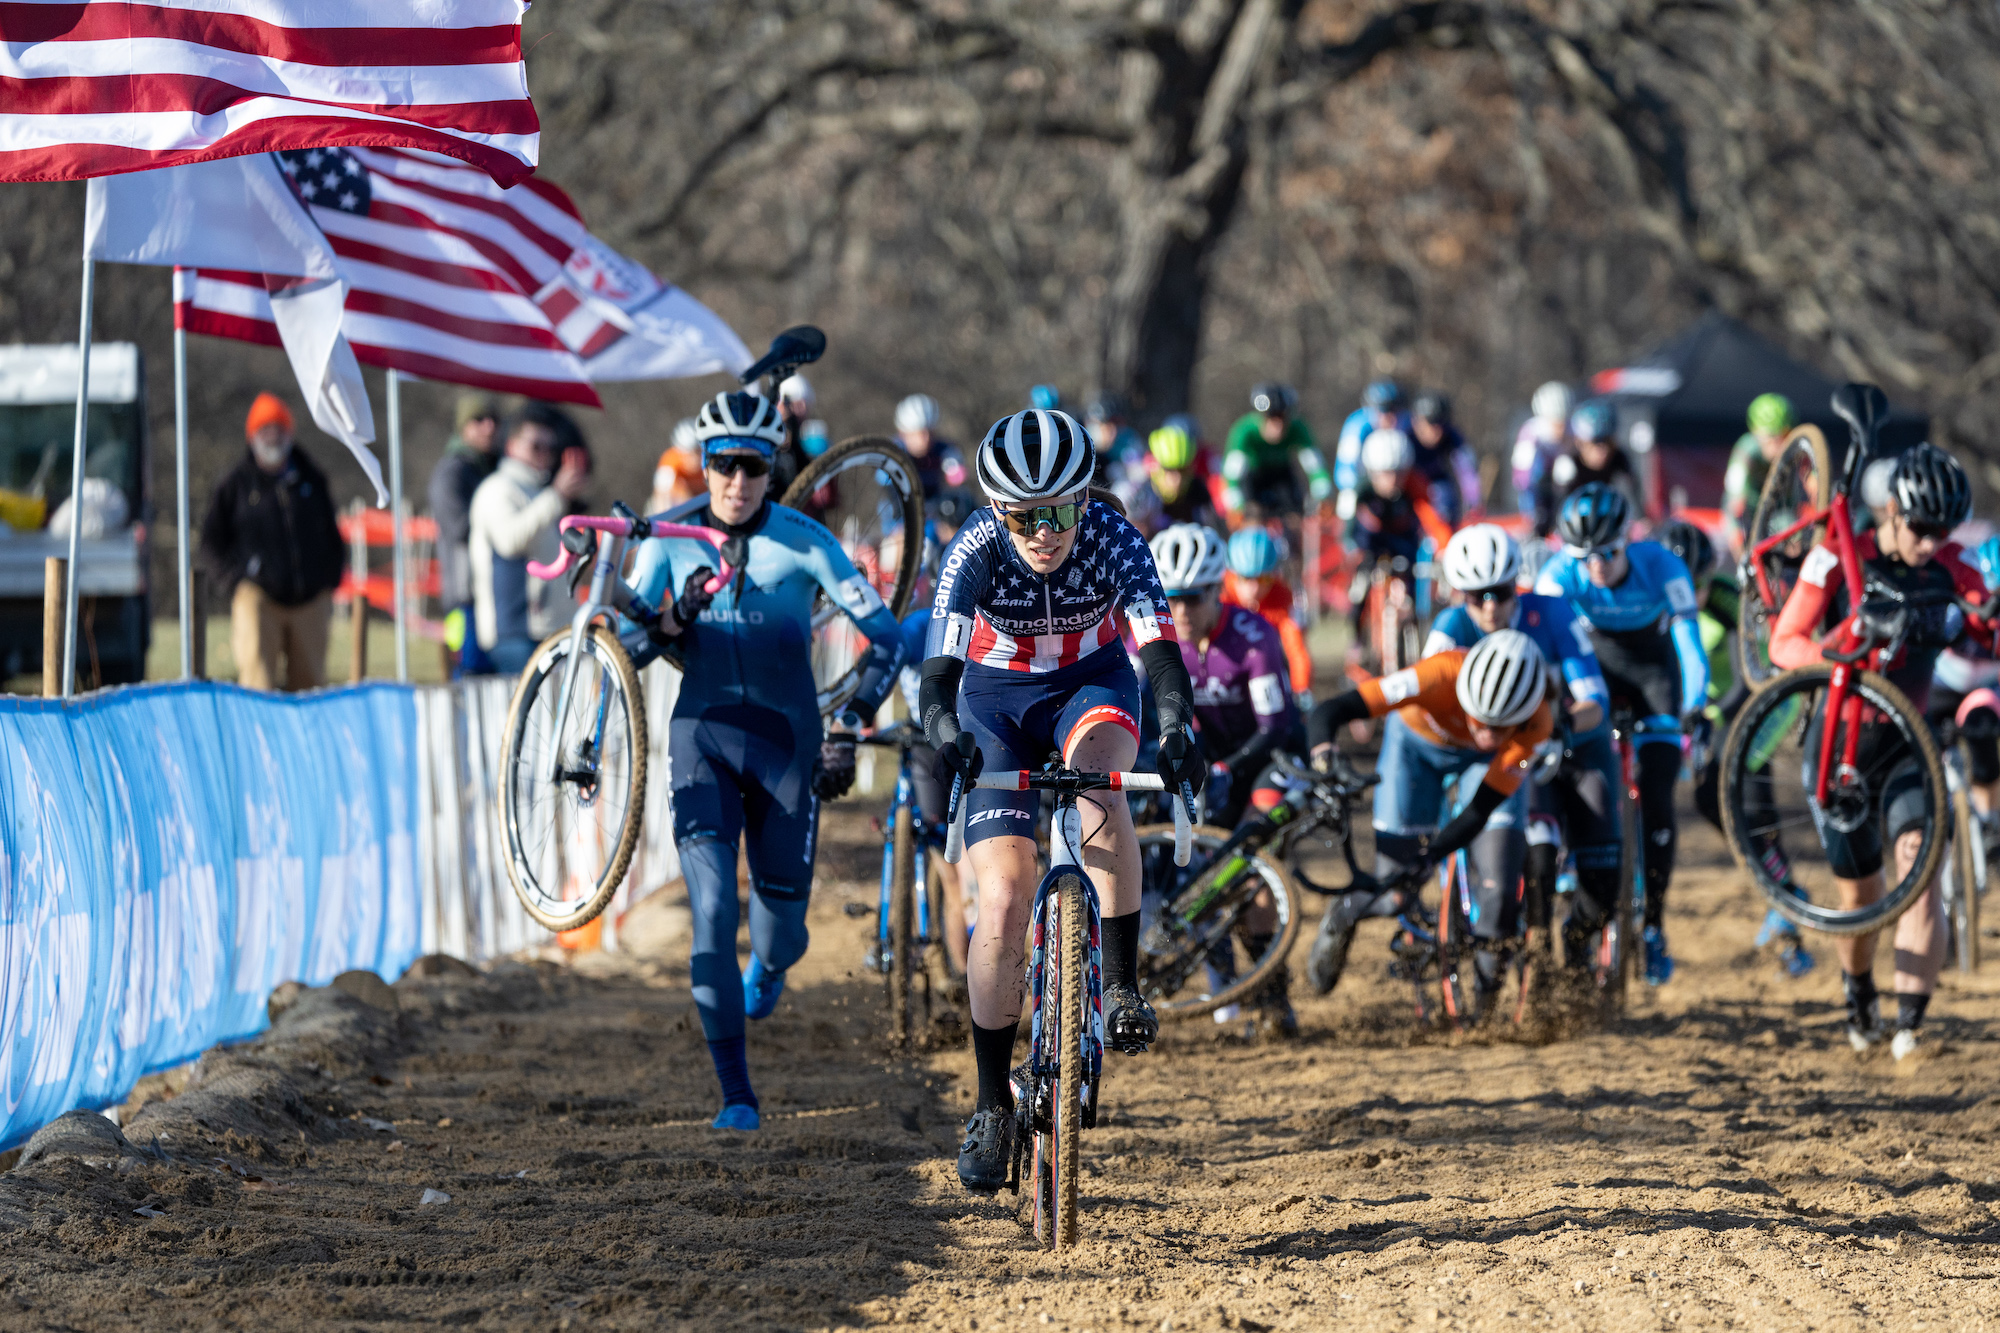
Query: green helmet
[1172, 446]
[1770, 414]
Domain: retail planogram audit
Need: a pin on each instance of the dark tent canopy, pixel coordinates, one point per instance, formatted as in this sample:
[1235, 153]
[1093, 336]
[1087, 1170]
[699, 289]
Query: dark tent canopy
[1688, 398]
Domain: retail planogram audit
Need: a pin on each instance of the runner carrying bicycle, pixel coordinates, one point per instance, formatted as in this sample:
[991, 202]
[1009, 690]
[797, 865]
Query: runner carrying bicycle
[1475, 714]
[1483, 563]
[746, 745]
[1024, 660]
[1908, 554]
[1640, 605]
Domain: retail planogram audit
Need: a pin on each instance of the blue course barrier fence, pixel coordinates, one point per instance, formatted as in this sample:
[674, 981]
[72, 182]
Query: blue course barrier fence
[170, 853]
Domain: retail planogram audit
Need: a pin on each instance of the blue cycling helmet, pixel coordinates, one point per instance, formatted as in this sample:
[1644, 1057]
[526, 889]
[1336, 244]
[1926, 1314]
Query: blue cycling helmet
[1253, 552]
[1382, 396]
[1595, 515]
[1593, 420]
[1044, 398]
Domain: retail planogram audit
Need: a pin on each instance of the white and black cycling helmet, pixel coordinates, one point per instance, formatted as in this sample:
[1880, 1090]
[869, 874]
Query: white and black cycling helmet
[1482, 556]
[1035, 455]
[917, 412]
[685, 438]
[1501, 680]
[1930, 487]
[797, 389]
[1593, 516]
[1273, 399]
[1190, 557]
[1387, 451]
[747, 419]
[1553, 401]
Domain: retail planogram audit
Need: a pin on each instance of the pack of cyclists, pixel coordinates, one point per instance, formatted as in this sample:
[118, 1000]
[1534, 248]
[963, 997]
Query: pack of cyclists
[1070, 558]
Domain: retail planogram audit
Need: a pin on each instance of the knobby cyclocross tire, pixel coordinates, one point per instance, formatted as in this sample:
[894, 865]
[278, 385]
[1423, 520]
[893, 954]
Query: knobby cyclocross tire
[1752, 751]
[1803, 473]
[1962, 909]
[902, 906]
[1074, 929]
[532, 801]
[1456, 964]
[1285, 898]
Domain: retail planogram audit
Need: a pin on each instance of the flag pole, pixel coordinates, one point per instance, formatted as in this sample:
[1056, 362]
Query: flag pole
[185, 556]
[396, 519]
[76, 478]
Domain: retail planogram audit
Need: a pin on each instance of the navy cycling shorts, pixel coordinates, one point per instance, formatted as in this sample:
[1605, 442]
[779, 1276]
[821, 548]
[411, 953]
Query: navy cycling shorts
[1020, 718]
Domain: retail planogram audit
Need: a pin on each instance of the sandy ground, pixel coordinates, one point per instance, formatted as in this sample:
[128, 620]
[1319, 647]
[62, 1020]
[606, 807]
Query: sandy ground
[1718, 1159]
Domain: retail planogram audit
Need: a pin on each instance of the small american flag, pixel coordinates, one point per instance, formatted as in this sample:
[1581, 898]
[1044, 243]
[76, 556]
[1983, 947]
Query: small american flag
[442, 268]
[105, 86]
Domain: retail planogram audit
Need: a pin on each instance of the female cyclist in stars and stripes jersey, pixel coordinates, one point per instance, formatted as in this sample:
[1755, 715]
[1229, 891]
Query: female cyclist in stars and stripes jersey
[1024, 660]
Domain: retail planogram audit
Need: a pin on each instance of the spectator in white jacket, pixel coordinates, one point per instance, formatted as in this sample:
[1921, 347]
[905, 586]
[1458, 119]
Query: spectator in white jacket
[514, 517]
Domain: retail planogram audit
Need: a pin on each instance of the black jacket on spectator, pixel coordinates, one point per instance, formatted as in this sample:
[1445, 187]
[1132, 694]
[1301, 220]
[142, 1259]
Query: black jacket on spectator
[278, 532]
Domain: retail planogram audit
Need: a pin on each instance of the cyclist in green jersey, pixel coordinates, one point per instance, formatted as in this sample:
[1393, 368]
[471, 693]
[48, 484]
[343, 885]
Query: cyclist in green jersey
[1263, 446]
[1771, 419]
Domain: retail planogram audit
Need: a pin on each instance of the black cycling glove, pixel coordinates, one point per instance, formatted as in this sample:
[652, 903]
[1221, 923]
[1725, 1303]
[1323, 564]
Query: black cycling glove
[958, 758]
[1180, 760]
[694, 598]
[833, 774]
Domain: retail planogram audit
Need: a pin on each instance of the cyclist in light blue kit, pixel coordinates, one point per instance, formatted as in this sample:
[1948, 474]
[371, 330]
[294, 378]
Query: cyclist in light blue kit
[745, 742]
[1580, 802]
[1640, 603]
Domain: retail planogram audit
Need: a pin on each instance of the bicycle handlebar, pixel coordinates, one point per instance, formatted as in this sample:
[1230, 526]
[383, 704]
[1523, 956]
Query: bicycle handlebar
[1068, 780]
[635, 527]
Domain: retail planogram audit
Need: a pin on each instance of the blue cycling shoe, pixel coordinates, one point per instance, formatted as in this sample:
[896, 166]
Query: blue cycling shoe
[1795, 959]
[761, 989]
[1659, 966]
[1775, 928]
[737, 1115]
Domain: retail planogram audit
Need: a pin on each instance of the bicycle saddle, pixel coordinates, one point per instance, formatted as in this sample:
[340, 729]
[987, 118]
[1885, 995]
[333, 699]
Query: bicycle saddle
[1862, 407]
[795, 347]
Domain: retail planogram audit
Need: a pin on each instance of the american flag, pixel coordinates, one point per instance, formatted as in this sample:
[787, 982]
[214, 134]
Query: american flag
[105, 86]
[442, 268]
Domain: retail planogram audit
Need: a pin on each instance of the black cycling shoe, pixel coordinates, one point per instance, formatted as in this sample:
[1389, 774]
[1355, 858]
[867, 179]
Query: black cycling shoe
[1329, 952]
[1275, 1020]
[987, 1155]
[1130, 1025]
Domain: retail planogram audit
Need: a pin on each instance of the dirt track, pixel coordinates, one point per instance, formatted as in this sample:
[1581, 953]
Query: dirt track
[1720, 1160]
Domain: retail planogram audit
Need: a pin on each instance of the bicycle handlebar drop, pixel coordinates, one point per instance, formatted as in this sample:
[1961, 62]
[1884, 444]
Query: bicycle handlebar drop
[1073, 783]
[635, 527]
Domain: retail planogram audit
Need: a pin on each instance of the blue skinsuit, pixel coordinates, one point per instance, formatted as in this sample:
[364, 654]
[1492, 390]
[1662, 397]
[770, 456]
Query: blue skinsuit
[746, 732]
[1655, 602]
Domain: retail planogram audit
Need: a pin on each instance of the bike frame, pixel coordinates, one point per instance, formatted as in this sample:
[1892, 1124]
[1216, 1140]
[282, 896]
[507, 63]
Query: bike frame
[928, 837]
[610, 595]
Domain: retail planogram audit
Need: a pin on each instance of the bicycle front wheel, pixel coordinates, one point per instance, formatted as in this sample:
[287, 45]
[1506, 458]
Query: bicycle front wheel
[1799, 483]
[572, 794]
[902, 905]
[1776, 826]
[1073, 929]
[1210, 903]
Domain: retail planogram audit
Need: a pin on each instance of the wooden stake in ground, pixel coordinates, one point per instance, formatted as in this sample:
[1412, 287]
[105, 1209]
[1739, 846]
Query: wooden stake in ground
[357, 658]
[53, 571]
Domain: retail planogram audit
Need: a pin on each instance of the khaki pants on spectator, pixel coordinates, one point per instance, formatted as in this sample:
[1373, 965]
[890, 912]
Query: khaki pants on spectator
[261, 632]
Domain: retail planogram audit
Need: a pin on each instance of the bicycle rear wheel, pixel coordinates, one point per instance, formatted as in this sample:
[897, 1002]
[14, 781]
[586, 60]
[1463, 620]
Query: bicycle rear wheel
[866, 491]
[1800, 481]
[1073, 930]
[1963, 878]
[1768, 794]
[1456, 964]
[571, 801]
[1172, 974]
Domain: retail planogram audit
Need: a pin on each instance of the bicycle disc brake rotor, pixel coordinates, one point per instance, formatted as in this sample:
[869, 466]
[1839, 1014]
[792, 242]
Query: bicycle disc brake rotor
[1847, 804]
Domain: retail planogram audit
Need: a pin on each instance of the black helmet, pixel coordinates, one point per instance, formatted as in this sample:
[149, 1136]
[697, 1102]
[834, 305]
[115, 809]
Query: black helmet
[1595, 515]
[1690, 543]
[1382, 396]
[1930, 487]
[1432, 406]
[1273, 399]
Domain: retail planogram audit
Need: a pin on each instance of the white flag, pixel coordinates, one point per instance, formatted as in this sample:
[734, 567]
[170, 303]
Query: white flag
[240, 214]
[628, 325]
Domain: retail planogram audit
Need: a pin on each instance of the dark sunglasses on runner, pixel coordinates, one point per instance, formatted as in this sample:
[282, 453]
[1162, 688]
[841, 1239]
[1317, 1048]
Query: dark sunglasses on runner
[1488, 596]
[750, 465]
[1056, 518]
[1936, 532]
[1605, 553]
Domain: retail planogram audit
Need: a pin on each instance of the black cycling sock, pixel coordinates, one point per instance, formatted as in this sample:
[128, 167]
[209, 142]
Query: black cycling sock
[1120, 938]
[1539, 889]
[1860, 991]
[1910, 1010]
[1659, 769]
[993, 1052]
[732, 1071]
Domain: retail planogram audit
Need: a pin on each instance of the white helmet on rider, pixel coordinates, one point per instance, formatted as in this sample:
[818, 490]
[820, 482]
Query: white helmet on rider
[1482, 556]
[917, 412]
[1035, 455]
[685, 438]
[1190, 557]
[797, 389]
[1387, 451]
[1502, 679]
[1553, 402]
[746, 417]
